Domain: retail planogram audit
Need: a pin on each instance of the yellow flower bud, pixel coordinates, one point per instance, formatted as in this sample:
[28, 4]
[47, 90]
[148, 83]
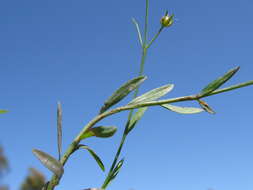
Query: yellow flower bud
[166, 20]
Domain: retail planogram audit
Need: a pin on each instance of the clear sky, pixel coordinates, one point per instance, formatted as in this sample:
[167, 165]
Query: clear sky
[79, 52]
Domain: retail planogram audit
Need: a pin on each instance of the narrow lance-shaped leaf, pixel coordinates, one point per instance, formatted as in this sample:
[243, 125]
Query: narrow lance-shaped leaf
[218, 82]
[59, 129]
[95, 156]
[138, 31]
[182, 110]
[115, 171]
[233, 87]
[136, 117]
[153, 94]
[122, 92]
[48, 161]
[101, 131]
[3, 111]
[206, 107]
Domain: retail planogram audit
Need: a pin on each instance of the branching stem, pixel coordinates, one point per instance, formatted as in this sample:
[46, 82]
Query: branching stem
[54, 181]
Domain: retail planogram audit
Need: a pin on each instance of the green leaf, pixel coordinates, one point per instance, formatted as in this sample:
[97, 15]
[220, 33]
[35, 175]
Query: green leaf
[59, 129]
[182, 110]
[117, 169]
[153, 94]
[136, 117]
[218, 82]
[233, 87]
[49, 162]
[122, 92]
[114, 173]
[3, 111]
[101, 131]
[206, 107]
[95, 156]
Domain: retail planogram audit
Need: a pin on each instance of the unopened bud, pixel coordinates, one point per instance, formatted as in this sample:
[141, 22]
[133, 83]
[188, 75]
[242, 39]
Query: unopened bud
[167, 20]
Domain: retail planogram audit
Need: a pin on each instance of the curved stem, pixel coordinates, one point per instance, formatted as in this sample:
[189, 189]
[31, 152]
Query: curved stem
[54, 181]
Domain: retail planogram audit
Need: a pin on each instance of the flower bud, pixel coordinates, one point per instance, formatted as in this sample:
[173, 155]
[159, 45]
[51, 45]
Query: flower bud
[166, 20]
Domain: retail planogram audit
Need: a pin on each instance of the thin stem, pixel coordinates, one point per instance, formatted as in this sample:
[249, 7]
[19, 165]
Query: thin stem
[143, 59]
[146, 24]
[155, 103]
[114, 161]
[233, 87]
[54, 181]
[155, 37]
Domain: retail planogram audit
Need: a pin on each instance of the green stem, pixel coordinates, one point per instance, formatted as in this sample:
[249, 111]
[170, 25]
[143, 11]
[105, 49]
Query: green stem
[54, 181]
[155, 37]
[146, 24]
[155, 103]
[143, 59]
[108, 177]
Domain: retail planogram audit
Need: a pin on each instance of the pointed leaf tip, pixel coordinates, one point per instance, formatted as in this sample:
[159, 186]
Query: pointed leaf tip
[122, 92]
[117, 168]
[95, 156]
[49, 162]
[152, 95]
[218, 82]
[206, 107]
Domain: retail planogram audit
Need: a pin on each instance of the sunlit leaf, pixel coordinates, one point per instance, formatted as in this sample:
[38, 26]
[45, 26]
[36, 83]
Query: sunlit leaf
[136, 117]
[218, 82]
[122, 92]
[153, 94]
[206, 107]
[59, 129]
[101, 131]
[48, 161]
[95, 156]
[182, 110]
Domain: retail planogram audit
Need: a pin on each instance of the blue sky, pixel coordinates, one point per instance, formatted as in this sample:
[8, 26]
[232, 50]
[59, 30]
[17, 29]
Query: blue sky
[79, 52]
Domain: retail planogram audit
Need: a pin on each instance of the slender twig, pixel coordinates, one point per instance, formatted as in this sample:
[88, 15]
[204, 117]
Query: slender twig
[146, 23]
[155, 37]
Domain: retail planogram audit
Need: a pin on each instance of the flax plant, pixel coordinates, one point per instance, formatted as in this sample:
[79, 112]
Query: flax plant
[136, 107]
